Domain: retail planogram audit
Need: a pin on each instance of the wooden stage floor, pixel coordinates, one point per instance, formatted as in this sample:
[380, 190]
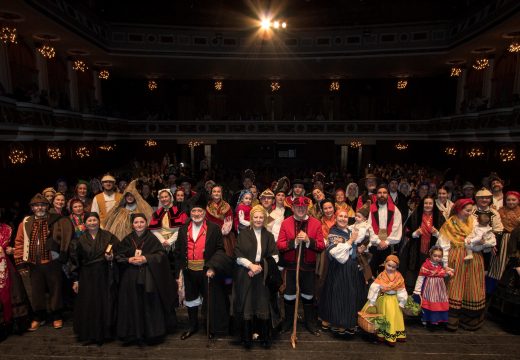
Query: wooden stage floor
[490, 342]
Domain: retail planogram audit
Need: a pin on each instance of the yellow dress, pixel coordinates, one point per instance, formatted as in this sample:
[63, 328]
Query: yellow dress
[388, 293]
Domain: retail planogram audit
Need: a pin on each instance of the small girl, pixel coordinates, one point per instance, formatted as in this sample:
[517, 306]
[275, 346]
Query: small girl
[431, 288]
[360, 233]
[482, 234]
[242, 210]
[388, 295]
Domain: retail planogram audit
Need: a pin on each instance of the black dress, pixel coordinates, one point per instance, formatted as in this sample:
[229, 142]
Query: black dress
[146, 297]
[252, 295]
[94, 310]
[410, 256]
[344, 292]
[506, 300]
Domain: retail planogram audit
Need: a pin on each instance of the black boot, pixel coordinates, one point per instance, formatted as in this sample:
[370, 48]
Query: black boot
[289, 316]
[193, 316]
[247, 334]
[310, 317]
[265, 333]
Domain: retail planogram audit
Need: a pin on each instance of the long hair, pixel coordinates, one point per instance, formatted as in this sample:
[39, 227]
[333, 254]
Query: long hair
[420, 210]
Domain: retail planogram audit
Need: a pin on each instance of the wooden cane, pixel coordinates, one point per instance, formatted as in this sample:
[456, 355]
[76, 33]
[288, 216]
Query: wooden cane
[208, 314]
[293, 335]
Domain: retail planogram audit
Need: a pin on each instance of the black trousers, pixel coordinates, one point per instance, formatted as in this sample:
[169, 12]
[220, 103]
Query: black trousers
[307, 279]
[46, 278]
[378, 259]
[195, 284]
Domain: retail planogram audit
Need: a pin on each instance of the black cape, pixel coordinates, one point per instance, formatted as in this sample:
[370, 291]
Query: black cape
[146, 297]
[94, 310]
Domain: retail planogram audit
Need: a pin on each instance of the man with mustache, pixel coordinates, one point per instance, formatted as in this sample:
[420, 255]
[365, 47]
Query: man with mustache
[386, 227]
[199, 256]
[42, 244]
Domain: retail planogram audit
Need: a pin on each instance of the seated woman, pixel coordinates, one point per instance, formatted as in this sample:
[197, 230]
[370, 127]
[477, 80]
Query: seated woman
[146, 297]
[91, 258]
[257, 256]
[345, 290]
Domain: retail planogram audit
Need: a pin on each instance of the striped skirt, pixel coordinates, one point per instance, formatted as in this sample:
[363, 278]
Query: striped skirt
[434, 302]
[499, 261]
[466, 290]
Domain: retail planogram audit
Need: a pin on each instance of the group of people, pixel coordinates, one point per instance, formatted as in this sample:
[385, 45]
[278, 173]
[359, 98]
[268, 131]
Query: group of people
[128, 259]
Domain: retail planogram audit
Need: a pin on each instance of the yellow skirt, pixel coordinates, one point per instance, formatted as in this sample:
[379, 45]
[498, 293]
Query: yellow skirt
[388, 306]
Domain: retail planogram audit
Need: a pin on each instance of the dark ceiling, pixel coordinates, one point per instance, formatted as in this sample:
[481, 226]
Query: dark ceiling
[299, 13]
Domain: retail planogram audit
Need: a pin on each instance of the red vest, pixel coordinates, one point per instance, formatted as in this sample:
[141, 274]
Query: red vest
[196, 248]
[390, 217]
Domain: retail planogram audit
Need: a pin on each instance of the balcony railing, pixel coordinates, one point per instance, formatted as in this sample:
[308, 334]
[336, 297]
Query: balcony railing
[26, 121]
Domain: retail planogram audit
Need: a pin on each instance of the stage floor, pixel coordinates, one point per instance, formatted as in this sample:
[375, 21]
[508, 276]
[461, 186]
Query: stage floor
[490, 342]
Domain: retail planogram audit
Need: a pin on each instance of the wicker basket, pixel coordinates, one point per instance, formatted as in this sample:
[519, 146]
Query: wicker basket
[411, 313]
[365, 324]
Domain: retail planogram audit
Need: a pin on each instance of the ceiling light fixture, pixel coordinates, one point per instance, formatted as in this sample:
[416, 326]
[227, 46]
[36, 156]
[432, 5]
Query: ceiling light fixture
[455, 71]
[481, 64]
[47, 51]
[8, 35]
[104, 74]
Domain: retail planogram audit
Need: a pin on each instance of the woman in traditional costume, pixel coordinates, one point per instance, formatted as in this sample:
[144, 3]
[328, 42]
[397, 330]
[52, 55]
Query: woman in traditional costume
[168, 218]
[146, 295]
[117, 221]
[81, 192]
[466, 289]
[422, 232]
[15, 308]
[94, 281]
[255, 284]
[443, 202]
[345, 291]
[220, 213]
[388, 294]
[352, 195]
[510, 216]
[77, 216]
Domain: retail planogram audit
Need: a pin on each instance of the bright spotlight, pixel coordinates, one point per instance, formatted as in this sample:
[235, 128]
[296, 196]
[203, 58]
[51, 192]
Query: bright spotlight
[276, 24]
[284, 25]
[266, 24]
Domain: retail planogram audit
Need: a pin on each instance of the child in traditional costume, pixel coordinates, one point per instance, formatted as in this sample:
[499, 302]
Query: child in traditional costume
[243, 210]
[481, 234]
[388, 294]
[360, 232]
[431, 288]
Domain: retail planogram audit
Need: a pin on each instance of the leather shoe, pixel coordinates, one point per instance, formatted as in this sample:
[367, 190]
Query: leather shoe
[57, 324]
[188, 334]
[35, 325]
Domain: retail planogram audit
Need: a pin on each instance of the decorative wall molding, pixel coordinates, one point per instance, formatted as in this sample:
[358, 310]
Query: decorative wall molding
[334, 42]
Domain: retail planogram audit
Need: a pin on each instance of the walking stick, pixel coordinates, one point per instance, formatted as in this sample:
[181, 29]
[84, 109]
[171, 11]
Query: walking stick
[293, 335]
[208, 315]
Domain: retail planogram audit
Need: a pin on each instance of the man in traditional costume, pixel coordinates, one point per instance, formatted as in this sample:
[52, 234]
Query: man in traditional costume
[201, 266]
[497, 185]
[42, 244]
[300, 230]
[386, 222]
[398, 197]
[186, 183]
[117, 220]
[370, 191]
[105, 201]
[483, 203]
[298, 190]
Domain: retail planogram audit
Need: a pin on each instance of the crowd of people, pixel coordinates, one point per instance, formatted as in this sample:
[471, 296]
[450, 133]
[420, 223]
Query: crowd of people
[124, 256]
